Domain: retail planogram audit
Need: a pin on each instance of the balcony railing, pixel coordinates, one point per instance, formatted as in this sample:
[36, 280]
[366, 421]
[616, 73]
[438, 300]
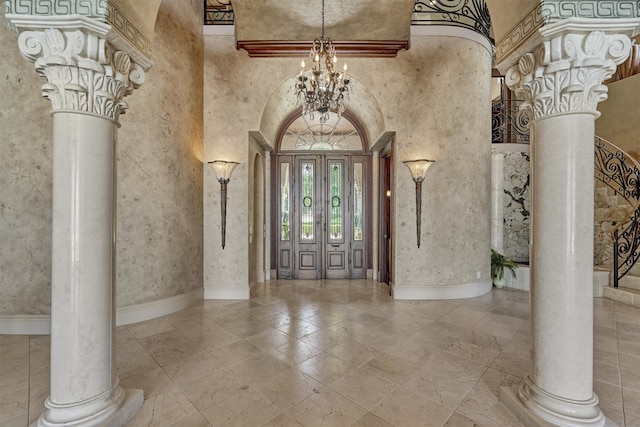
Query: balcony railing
[218, 12]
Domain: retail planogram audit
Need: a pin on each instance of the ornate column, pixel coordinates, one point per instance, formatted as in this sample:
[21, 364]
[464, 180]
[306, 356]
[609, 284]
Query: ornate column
[86, 79]
[561, 83]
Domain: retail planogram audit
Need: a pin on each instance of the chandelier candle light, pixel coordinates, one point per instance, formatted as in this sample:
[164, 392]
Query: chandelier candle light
[326, 89]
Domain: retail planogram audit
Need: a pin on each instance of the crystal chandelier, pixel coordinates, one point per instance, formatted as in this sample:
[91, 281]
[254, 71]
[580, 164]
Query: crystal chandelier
[325, 90]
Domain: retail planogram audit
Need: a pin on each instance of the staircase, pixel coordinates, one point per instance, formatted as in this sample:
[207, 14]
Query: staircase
[621, 173]
[627, 292]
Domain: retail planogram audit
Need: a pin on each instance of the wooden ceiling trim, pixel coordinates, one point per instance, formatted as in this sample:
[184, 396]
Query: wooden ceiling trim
[349, 49]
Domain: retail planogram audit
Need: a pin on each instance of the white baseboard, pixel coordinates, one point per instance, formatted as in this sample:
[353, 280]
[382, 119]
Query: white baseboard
[41, 324]
[465, 290]
[151, 310]
[25, 324]
[227, 292]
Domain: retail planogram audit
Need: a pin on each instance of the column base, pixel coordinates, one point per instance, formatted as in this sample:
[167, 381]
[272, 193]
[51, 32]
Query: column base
[532, 414]
[112, 412]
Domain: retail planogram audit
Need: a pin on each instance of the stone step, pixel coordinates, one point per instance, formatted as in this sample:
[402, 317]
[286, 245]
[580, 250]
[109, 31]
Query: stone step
[623, 295]
[630, 281]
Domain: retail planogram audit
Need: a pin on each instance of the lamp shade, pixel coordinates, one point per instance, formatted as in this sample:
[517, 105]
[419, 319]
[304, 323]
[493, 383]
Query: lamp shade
[418, 168]
[223, 169]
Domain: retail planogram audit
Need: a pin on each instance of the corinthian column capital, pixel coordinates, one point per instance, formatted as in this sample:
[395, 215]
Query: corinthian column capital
[566, 73]
[83, 71]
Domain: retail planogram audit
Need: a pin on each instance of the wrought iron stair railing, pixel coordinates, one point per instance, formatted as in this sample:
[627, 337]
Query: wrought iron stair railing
[621, 173]
[508, 123]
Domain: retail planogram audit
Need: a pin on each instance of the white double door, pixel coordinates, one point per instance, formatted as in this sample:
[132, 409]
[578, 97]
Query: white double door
[321, 215]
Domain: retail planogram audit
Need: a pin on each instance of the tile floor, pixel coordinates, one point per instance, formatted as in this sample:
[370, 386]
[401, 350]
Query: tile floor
[332, 353]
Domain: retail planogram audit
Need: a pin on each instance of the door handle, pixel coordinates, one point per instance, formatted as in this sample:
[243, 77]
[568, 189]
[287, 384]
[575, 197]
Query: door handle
[335, 246]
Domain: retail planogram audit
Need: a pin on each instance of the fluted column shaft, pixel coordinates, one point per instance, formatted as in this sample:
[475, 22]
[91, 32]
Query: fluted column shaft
[86, 79]
[561, 83]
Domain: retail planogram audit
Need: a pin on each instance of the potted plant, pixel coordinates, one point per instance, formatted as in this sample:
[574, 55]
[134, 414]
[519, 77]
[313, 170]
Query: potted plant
[498, 263]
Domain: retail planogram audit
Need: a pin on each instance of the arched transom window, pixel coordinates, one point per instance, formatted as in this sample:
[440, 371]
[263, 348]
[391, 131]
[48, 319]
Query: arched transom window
[337, 133]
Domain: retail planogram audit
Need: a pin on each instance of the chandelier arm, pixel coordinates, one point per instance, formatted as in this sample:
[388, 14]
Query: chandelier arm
[322, 20]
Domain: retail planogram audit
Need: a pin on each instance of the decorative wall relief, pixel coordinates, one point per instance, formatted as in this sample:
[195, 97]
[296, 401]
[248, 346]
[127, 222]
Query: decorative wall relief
[517, 210]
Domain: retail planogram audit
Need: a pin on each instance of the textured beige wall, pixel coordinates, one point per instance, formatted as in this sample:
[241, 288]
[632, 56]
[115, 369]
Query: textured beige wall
[160, 166]
[440, 110]
[159, 251]
[25, 183]
[435, 96]
[619, 120]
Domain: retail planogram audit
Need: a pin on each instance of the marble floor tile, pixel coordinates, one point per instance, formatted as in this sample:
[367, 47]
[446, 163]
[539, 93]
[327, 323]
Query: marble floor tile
[169, 346]
[606, 373]
[493, 380]
[269, 339]
[441, 387]
[513, 364]
[326, 408]
[631, 402]
[332, 353]
[354, 353]
[487, 341]
[296, 328]
[37, 396]
[197, 420]
[464, 317]
[294, 352]
[152, 383]
[233, 353]
[371, 420]
[213, 388]
[135, 364]
[499, 325]
[630, 378]
[363, 388]
[247, 408]
[324, 368]
[415, 349]
[282, 420]
[258, 368]
[482, 406]
[163, 410]
[189, 369]
[457, 420]
[391, 368]
[609, 357]
[325, 339]
[14, 404]
[469, 351]
[150, 327]
[405, 408]
[288, 389]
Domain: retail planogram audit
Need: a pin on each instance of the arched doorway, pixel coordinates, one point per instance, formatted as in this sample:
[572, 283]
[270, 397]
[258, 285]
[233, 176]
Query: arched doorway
[321, 227]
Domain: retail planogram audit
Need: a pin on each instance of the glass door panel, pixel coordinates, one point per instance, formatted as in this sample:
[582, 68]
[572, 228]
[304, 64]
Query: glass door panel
[336, 190]
[285, 214]
[321, 218]
[307, 199]
[358, 212]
